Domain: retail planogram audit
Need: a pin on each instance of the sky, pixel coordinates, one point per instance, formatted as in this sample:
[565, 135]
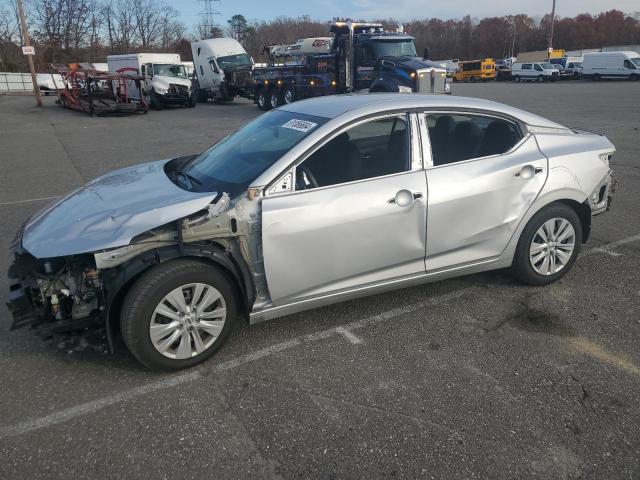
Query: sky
[401, 9]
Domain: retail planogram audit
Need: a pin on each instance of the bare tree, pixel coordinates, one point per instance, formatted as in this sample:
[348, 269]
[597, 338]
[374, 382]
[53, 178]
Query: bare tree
[9, 40]
[119, 21]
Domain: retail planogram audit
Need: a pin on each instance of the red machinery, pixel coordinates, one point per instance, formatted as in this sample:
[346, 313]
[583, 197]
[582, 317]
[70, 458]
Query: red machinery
[99, 93]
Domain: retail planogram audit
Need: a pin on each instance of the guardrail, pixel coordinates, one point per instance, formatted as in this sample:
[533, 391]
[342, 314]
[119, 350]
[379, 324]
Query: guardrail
[15, 82]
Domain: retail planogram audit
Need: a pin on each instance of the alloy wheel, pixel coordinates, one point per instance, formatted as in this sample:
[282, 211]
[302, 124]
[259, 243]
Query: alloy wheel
[187, 321]
[552, 246]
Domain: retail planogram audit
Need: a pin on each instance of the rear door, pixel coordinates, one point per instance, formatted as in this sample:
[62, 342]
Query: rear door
[483, 176]
[355, 217]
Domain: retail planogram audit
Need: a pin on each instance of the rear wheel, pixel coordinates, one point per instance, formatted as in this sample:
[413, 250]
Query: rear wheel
[548, 245]
[596, 77]
[275, 99]
[178, 314]
[288, 95]
[263, 100]
[516, 78]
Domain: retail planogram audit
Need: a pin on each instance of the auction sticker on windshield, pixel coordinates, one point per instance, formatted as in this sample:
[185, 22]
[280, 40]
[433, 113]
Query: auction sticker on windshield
[300, 125]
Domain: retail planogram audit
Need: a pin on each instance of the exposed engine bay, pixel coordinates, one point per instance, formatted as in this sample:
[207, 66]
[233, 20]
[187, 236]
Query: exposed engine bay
[81, 295]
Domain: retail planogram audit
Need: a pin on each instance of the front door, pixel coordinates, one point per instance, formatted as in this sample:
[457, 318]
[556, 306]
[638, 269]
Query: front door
[484, 178]
[357, 215]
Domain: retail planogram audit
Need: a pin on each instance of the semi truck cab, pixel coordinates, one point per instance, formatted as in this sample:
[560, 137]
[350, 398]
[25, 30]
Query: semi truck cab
[383, 61]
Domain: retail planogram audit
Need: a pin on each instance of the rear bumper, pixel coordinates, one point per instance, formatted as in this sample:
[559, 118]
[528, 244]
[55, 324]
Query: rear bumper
[602, 196]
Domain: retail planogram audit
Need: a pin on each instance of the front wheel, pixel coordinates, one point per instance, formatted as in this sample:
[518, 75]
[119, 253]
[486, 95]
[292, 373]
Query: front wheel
[540, 79]
[178, 314]
[548, 245]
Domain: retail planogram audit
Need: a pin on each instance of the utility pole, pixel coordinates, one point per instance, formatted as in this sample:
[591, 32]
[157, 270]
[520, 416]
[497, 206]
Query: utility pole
[27, 43]
[553, 18]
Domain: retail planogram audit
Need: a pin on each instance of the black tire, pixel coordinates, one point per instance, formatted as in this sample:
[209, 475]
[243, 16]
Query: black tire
[540, 79]
[596, 77]
[275, 98]
[521, 267]
[634, 77]
[202, 96]
[156, 103]
[225, 96]
[288, 95]
[149, 290]
[262, 100]
[516, 78]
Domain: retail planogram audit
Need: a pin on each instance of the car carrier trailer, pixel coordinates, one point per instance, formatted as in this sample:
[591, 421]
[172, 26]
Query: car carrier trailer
[360, 57]
[99, 93]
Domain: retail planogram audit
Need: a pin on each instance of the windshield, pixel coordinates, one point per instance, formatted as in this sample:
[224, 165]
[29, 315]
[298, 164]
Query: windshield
[394, 48]
[234, 162]
[240, 60]
[547, 66]
[169, 70]
[636, 61]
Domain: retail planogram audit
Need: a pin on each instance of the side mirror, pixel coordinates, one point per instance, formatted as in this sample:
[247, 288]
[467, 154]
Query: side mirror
[425, 53]
[142, 69]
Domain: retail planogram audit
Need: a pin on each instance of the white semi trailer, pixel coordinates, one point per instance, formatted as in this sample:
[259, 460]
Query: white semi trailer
[166, 81]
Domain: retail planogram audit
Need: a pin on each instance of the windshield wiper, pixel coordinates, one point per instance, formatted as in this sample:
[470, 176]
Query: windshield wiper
[186, 176]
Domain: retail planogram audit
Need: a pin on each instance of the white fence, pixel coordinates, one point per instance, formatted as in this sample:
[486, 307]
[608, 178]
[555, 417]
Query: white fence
[15, 82]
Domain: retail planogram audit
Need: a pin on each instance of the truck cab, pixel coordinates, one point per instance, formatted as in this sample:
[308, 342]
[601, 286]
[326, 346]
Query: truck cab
[381, 61]
[222, 69]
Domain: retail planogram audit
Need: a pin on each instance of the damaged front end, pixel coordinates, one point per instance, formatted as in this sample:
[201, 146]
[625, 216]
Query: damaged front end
[55, 296]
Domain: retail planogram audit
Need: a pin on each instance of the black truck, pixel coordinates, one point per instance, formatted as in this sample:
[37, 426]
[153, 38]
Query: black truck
[362, 56]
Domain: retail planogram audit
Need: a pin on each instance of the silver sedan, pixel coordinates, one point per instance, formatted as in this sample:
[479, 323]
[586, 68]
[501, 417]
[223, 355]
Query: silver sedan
[313, 203]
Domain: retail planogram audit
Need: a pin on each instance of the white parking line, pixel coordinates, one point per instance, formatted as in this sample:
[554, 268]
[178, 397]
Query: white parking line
[609, 248]
[28, 200]
[70, 413]
[348, 335]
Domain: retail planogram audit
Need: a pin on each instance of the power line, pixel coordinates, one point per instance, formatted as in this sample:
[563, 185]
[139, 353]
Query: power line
[210, 15]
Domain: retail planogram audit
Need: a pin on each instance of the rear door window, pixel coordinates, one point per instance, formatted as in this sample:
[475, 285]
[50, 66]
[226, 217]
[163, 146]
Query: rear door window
[457, 137]
[526, 66]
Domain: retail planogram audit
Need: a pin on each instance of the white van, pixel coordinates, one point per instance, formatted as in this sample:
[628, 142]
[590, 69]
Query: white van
[611, 65]
[534, 71]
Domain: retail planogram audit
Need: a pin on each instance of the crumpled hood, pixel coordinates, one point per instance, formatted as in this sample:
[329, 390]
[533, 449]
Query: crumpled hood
[109, 211]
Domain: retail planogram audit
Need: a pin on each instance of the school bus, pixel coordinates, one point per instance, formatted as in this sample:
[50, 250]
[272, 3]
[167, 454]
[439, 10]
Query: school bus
[473, 70]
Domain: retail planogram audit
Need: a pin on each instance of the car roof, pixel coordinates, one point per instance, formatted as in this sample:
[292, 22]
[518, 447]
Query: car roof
[368, 103]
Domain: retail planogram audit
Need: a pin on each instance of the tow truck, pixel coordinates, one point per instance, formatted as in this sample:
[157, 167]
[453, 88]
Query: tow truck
[359, 57]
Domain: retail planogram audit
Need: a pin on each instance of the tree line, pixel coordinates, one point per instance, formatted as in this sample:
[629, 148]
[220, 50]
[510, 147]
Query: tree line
[89, 30]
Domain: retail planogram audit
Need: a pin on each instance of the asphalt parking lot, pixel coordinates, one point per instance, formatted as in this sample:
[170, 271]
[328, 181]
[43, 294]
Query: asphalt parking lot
[472, 377]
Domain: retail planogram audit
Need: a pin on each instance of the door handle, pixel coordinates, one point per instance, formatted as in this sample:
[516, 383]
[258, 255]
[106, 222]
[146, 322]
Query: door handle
[405, 198]
[528, 171]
